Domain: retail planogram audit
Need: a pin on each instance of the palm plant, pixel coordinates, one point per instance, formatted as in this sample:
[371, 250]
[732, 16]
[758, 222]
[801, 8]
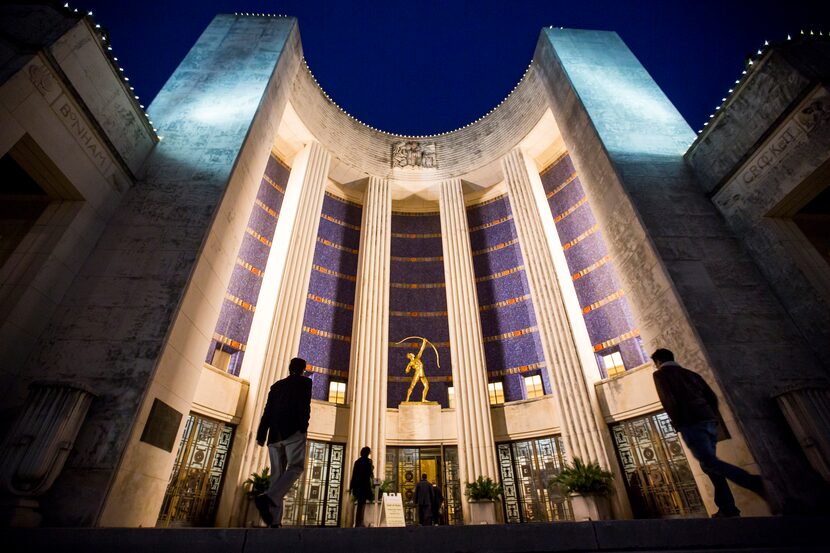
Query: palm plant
[582, 478]
[257, 484]
[483, 489]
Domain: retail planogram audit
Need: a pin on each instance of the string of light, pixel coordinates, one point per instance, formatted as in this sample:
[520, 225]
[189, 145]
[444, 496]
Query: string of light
[752, 63]
[114, 60]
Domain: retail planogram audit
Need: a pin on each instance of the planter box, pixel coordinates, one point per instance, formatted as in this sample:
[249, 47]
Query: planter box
[590, 507]
[371, 513]
[482, 512]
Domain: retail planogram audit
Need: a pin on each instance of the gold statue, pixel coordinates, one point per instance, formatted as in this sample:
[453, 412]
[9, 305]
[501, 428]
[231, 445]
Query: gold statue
[417, 367]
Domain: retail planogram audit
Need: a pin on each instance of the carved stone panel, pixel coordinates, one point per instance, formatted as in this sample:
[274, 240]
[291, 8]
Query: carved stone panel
[414, 154]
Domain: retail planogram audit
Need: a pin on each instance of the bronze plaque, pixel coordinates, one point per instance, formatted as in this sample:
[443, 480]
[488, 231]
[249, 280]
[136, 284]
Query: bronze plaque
[162, 426]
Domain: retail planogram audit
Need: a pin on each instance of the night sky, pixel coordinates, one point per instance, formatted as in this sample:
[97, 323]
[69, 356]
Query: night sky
[422, 67]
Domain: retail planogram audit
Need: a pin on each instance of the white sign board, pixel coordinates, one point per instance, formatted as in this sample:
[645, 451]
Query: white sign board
[391, 511]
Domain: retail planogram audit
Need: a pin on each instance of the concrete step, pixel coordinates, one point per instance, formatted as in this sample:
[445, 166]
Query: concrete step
[774, 534]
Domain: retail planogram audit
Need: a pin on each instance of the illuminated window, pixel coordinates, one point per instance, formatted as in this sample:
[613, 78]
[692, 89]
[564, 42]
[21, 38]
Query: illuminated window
[337, 391]
[496, 391]
[533, 386]
[613, 363]
[451, 397]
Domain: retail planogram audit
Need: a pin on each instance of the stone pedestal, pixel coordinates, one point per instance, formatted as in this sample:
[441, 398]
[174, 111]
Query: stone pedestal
[419, 420]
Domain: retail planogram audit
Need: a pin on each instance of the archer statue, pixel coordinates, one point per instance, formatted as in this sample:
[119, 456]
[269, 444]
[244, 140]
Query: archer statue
[417, 367]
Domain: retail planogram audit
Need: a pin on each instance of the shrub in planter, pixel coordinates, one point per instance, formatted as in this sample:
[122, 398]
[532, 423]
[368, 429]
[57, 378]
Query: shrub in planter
[588, 486]
[483, 489]
[387, 486]
[483, 493]
[257, 484]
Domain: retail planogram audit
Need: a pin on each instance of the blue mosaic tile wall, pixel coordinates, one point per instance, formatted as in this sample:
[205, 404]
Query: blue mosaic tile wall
[418, 306]
[508, 322]
[239, 304]
[329, 310]
[611, 325]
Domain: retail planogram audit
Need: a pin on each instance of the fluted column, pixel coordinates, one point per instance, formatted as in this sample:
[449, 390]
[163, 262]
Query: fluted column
[476, 448]
[370, 333]
[580, 430]
[308, 177]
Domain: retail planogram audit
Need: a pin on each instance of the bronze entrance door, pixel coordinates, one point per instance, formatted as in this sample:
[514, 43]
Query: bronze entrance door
[190, 499]
[404, 467]
[526, 467]
[657, 474]
[314, 500]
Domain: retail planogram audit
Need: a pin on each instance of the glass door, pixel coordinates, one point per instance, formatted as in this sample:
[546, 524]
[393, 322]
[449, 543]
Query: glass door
[314, 500]
[404, 467]
[190, 499]
[526, 468]
[657, 473]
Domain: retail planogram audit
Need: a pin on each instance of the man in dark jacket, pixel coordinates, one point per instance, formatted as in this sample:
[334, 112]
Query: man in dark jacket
[424, 499]
[692, 407]
[284, 423]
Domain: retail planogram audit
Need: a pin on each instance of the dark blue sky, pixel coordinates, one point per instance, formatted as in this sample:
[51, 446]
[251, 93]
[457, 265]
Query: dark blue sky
[422, 67]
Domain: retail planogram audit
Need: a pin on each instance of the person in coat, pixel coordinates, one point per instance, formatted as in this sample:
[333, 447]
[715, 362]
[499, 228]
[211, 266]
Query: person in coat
[437, 500]
[284, 423]
[692, 407]
[424, 501]
[361, 484]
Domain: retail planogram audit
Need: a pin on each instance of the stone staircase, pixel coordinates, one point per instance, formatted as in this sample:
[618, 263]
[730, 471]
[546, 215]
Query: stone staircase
[774, 534]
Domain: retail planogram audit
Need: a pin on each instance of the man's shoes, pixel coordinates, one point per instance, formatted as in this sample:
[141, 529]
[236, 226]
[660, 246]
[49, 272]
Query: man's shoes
[727, 514]
[276, 526]
[263, 505]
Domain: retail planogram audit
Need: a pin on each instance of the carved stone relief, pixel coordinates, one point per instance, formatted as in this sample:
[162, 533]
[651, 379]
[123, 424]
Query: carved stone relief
[414, 154]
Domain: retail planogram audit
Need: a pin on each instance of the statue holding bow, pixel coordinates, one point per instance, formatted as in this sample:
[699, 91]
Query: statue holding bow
[417, 367]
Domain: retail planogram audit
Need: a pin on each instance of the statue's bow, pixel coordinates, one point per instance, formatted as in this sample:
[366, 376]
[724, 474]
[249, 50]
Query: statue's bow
[437, 360]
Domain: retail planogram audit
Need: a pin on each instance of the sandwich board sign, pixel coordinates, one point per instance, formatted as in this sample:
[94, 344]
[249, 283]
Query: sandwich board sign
[391, 511]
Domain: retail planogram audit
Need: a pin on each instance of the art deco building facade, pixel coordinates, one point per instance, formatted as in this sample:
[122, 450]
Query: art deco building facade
[161, 274]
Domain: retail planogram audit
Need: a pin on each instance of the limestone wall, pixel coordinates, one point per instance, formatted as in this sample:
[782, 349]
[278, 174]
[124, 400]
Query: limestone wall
[65, 137]
[766, 154]
[135, 323]
[683, 271]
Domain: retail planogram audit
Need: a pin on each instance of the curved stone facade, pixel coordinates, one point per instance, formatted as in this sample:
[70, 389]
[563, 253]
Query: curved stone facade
[543, 250]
